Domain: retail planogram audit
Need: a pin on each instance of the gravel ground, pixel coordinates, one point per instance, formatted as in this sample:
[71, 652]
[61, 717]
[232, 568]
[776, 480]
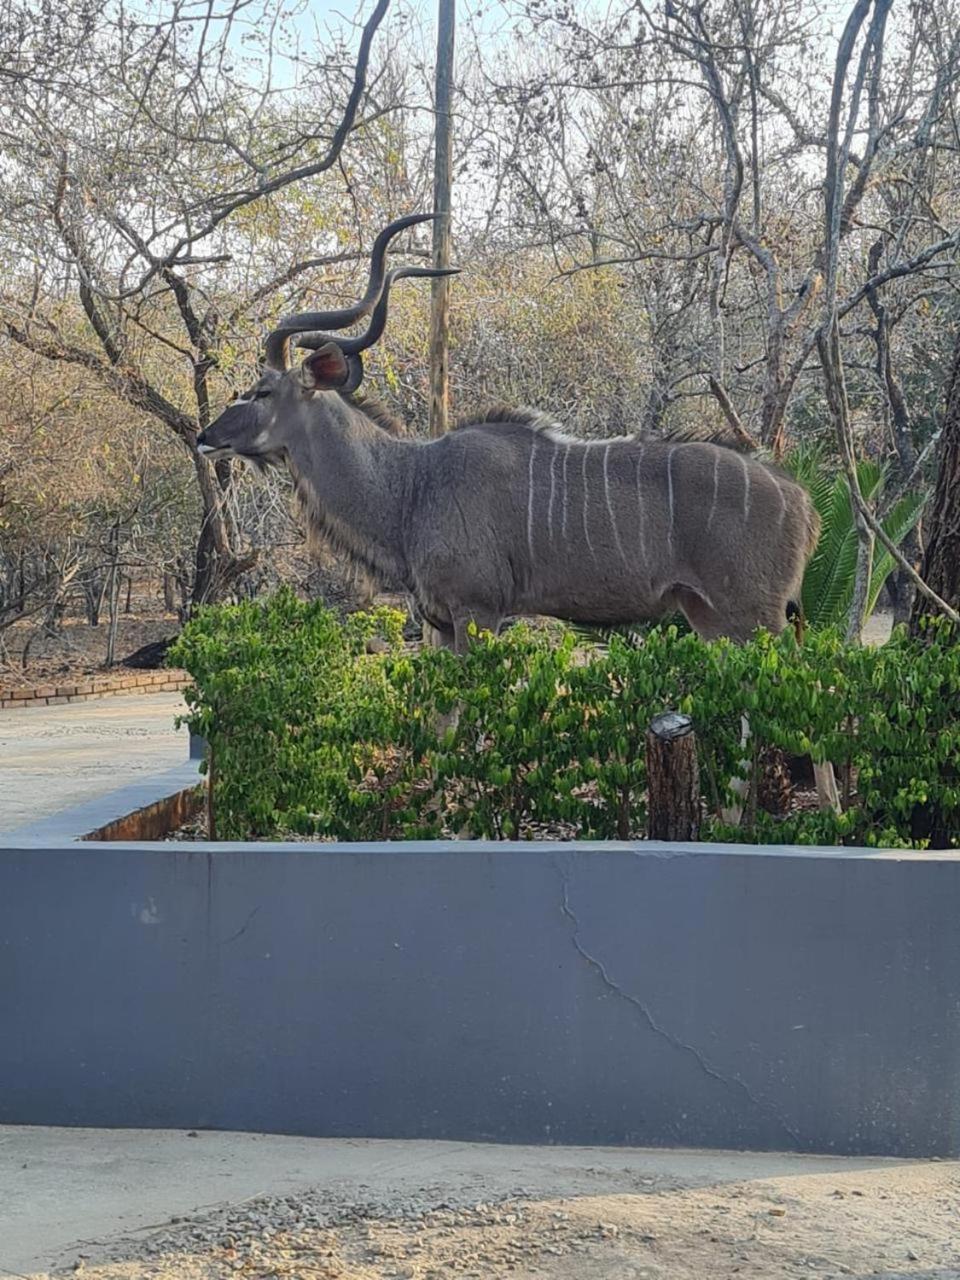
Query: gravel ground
[879, 1219]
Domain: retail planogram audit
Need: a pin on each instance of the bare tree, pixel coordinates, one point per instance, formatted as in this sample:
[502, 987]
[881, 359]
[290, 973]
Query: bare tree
[691, 142]
[137, 172]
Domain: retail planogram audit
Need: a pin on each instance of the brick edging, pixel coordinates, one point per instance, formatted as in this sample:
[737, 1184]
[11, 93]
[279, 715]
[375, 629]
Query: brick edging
[154, 821]
[49, 695]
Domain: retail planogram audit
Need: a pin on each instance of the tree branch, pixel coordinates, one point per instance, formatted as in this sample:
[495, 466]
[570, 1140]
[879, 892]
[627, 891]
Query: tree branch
[125, 383]
[329, 158]
[730, 413]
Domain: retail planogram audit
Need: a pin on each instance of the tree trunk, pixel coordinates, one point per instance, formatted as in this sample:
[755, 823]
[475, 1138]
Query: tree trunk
[94, 593]
[673, 779]
[206, 563]
[941, 560]
[896, 421]
[214, 559]
[941, 571]
[113, 598]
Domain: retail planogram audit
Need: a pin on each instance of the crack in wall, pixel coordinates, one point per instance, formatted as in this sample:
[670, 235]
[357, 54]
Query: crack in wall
[243, 928]
[674, 1041]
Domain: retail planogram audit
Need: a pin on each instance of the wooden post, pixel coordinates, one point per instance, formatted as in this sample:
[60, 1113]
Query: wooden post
[673, 779]
[443, 160]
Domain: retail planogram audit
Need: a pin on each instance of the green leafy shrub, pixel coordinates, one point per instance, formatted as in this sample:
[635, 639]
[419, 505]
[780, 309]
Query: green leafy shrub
[530, 735]
[284, 693]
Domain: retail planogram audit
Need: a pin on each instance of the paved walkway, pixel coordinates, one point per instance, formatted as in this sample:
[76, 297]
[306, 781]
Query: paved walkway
[52, 758]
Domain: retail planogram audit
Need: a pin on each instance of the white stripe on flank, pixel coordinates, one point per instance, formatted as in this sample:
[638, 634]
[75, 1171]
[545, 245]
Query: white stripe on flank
[583, 471]
[566, 488]
[670, 495]
[716, 488]
[533, 454]
[641, 505]
[783, 504]
[610, 511]
[746, 488]
[554, 452]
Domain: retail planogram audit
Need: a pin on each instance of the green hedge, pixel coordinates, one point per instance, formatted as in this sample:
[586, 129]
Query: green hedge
[534, 734]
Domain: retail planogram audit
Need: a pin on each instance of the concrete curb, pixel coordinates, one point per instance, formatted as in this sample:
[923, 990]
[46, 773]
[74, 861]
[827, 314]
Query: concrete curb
[74, 823]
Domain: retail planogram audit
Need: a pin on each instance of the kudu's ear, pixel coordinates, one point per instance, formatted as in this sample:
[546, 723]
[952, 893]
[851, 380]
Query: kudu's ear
[328, 369]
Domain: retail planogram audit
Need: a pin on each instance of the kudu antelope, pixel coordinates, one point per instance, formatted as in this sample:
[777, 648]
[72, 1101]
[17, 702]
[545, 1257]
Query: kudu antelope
[506, 515]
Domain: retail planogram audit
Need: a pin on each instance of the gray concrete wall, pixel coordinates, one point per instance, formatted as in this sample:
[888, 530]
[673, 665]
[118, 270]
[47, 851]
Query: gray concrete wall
[699, 995]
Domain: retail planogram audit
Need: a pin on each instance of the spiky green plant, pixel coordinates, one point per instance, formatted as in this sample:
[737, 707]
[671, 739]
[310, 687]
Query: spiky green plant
[829, 580]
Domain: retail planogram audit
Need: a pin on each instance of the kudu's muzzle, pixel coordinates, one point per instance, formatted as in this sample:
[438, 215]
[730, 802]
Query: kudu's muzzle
[230, 428]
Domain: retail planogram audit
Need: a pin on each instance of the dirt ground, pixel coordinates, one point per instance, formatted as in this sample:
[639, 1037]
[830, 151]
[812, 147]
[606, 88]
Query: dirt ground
[892, 1220]
[77, 648]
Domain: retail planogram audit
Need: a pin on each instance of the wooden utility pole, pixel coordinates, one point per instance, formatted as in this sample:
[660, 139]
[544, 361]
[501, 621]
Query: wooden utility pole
[443, 159]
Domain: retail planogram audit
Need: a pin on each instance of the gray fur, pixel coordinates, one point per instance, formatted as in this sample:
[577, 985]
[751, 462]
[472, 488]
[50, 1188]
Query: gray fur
[475, 524]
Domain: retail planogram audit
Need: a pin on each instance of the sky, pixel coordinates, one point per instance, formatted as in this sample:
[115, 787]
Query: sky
[315, 24]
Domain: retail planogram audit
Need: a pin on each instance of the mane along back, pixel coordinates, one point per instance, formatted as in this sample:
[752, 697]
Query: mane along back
[712, 433]
[501, 415]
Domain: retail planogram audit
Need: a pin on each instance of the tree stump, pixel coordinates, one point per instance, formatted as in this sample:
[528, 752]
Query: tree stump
[673, 779]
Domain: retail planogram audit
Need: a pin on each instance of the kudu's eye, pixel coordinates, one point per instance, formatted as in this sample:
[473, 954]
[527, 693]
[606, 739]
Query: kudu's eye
[261, 393]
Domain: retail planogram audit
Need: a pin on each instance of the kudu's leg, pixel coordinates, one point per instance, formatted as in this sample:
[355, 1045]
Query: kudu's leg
[772, 618]
[438, 637]
[704, 619]
[441, 638]
[711, 624]
[462, 635]
[466, 625]
[775, 618]
[458, 638]
[739, 786]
